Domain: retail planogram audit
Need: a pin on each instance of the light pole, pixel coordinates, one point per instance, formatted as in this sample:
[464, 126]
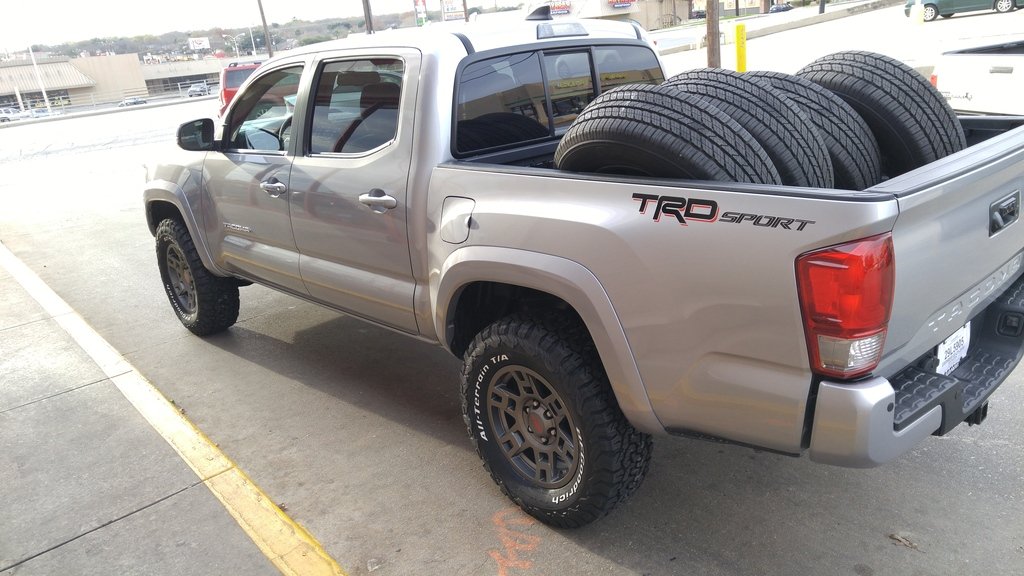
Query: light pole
[234, 43]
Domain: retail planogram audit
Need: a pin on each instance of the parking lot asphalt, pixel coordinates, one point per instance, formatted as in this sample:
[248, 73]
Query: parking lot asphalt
[102, 475]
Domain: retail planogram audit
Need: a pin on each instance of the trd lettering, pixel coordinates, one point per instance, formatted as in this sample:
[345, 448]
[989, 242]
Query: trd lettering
[678, 207]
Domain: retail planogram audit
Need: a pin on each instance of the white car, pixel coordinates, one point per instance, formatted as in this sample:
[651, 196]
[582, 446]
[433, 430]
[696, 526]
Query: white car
[9, 114]
[984, 79]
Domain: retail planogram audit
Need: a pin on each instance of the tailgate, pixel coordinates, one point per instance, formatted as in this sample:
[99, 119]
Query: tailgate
[958, 247]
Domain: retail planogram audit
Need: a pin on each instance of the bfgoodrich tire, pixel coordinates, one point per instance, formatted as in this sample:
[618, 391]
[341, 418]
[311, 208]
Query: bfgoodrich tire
[913, 123]
[205, 304]
[660, 131]
[541, 413]
[778, 124]
[851, 145]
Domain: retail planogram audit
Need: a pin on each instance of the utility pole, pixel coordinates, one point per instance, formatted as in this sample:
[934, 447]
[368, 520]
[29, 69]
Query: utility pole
[368, 16]
[266, 34]
[714, 47]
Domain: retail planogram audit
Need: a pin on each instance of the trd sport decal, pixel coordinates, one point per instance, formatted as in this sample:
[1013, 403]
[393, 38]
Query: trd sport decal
[697, 210]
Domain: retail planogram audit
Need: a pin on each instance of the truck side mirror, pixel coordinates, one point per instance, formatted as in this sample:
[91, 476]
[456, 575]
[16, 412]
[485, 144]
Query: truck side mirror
[197, 136]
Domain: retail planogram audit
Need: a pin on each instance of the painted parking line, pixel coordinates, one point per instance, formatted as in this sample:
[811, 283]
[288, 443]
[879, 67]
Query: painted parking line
[293, 550]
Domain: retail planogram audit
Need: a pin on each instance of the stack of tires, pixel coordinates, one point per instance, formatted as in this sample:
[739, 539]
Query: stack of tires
[847, 120]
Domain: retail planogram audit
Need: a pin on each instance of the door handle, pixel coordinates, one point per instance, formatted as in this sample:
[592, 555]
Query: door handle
[273, 187]
[378, 200]
[1001, 70]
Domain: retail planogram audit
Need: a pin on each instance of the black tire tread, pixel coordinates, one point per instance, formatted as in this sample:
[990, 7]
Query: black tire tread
[778, 124]
[662, 132]
[217, 299]
[913, 123]
[852, 147]
[566, 348]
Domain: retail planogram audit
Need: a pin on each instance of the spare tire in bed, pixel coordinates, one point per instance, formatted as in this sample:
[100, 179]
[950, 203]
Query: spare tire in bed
[852, 147]
[659, 131]
[913, 123]
[778, 124]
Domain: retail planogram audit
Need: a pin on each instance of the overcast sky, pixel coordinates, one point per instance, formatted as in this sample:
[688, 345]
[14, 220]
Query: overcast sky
[52, 22]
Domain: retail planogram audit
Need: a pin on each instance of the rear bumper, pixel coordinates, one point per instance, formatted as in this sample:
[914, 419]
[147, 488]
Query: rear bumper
[854, 425]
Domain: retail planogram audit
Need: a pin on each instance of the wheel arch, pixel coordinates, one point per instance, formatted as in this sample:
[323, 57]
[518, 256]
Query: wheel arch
[478, 285]
[164, 200]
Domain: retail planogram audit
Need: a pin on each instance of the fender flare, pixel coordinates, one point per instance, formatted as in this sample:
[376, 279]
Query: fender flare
[170, 193]
[565, 279]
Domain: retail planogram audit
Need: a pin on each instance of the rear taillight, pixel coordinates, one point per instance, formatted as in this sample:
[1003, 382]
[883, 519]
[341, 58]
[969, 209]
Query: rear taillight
[934, 80]
[845, 297]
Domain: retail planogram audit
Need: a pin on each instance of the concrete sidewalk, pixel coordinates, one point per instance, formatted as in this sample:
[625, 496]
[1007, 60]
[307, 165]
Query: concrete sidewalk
[89, 486]
[692, 35]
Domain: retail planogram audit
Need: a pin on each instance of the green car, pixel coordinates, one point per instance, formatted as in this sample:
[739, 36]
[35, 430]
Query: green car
[946, 8]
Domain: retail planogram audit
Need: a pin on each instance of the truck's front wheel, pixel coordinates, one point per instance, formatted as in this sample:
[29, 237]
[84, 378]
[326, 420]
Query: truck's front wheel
[205, 304]
[542, 415]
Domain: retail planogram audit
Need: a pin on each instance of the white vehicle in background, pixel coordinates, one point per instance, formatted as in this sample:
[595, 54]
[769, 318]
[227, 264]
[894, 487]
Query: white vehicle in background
[983, 80]
[9, 114]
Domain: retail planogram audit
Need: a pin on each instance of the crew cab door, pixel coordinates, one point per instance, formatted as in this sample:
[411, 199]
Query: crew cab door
[248, 223]
[348, 187]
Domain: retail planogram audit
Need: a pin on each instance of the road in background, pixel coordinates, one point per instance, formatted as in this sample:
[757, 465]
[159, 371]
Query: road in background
[357, 431]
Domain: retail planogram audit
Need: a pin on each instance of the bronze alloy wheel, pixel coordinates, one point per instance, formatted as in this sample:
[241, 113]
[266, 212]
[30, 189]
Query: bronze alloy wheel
[180, 281]
[533, 427]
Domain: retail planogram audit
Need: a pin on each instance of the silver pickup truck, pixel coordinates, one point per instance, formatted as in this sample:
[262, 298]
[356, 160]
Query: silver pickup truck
[392, 178]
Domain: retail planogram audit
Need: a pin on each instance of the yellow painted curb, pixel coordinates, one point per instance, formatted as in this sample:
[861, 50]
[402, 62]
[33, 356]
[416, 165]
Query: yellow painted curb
[293, 550]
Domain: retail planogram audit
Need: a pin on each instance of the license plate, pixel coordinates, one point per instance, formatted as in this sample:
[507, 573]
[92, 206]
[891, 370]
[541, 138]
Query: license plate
[953, 350]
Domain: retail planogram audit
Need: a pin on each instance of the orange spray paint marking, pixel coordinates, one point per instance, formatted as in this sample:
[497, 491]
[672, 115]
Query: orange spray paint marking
[514, 541]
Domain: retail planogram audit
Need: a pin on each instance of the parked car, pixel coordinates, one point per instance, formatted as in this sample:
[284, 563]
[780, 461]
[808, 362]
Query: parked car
[231, 77]
[946, 8]
[698, 15]
[986, 79]
[9, 114]
[198, 90]
[131, 101]
[786, 7]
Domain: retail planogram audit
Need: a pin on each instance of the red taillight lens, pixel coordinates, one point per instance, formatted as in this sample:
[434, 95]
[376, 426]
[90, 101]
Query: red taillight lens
[934, 80]
[846, 296]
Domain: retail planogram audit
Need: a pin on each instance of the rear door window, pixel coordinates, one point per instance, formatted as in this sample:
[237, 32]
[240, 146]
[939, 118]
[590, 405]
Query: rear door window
[533, 96]
[356, 105]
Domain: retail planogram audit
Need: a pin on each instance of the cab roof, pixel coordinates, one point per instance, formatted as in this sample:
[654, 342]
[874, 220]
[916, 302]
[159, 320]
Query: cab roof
[482, 35]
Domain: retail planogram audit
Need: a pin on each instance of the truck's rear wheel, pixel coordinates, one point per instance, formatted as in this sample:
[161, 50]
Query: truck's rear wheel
[205, 304]
[851, 145]
[913, 123]
[659, 131]
[541, 413]
[778, 124]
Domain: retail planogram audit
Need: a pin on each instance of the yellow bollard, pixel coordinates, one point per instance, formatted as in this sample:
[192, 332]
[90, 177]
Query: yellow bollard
[741, 47]
[917, 13]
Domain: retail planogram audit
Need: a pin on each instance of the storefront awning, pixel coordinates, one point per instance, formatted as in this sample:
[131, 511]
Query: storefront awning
[55, 76]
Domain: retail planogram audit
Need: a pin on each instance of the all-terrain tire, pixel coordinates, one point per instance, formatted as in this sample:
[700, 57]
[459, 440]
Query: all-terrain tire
[851, 146]
[205, 304]
[542, 416]
[778, 124]
[659, 131]
[913, 123]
